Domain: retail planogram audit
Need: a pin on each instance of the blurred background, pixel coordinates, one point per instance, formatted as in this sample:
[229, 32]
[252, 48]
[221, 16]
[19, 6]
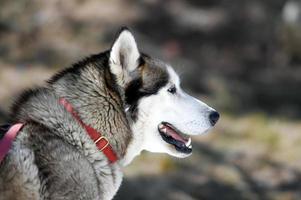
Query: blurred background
[241, 57]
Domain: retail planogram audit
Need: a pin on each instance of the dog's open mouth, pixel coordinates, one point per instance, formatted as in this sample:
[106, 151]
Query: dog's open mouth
[174, 137]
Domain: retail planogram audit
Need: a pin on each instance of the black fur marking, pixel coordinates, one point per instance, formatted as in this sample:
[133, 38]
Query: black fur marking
[144, 56]
[136, 90]
[132, 96]
[141, 60]
[4, 129]
[132, 93]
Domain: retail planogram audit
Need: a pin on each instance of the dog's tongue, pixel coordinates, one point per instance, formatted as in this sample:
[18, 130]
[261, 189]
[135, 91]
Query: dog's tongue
[175, 135]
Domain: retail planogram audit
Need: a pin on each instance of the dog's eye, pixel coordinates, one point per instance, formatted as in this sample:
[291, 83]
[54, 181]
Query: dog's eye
[172, 89]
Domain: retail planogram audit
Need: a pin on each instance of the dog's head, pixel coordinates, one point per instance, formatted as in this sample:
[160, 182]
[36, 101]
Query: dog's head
[162, 114]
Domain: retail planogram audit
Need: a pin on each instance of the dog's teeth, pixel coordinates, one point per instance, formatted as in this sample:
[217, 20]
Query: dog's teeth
[161, 126]
[188, 143]
[190, 146]
[164, 130]
[126, 109]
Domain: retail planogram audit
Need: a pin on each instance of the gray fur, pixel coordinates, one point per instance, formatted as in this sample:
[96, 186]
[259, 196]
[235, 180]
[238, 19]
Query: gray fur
[53, 157]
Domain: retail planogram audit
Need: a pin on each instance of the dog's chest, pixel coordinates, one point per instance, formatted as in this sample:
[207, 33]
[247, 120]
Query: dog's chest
[111, 182]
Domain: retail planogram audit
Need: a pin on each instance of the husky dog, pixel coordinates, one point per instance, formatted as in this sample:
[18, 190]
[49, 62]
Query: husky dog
[134, 101]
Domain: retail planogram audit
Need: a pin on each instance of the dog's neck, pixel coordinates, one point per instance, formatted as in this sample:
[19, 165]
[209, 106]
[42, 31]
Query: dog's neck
[98, 102]
[136, 145]
[95, 97]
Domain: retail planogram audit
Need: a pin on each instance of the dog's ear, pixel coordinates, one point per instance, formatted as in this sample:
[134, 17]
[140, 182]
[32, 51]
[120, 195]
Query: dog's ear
[124, 56]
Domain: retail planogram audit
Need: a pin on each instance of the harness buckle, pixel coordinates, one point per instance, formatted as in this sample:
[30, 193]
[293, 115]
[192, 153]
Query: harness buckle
[102, 138]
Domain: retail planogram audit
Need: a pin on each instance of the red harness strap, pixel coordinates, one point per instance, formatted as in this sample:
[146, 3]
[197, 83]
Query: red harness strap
[7, 140]
[100, 141]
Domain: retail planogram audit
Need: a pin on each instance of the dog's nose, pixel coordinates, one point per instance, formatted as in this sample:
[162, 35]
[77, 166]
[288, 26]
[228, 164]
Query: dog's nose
[213, 117]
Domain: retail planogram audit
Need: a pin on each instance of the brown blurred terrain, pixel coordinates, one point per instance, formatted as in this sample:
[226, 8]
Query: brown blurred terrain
[241, 57]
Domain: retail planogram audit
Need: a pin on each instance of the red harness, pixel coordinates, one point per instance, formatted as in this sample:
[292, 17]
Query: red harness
[7, 140]
[100, 141]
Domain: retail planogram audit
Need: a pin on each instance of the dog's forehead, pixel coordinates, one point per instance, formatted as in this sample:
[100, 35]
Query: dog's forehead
[156, 70]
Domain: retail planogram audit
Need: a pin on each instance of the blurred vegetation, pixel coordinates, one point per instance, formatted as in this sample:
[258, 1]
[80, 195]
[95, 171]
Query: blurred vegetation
[242, 57]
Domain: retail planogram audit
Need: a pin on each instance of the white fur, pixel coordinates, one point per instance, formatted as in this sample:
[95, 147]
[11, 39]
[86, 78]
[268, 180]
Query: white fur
[124, 56]
[186, 113]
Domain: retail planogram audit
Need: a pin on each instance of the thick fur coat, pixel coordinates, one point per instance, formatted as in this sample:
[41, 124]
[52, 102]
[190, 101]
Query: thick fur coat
[114, 92]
